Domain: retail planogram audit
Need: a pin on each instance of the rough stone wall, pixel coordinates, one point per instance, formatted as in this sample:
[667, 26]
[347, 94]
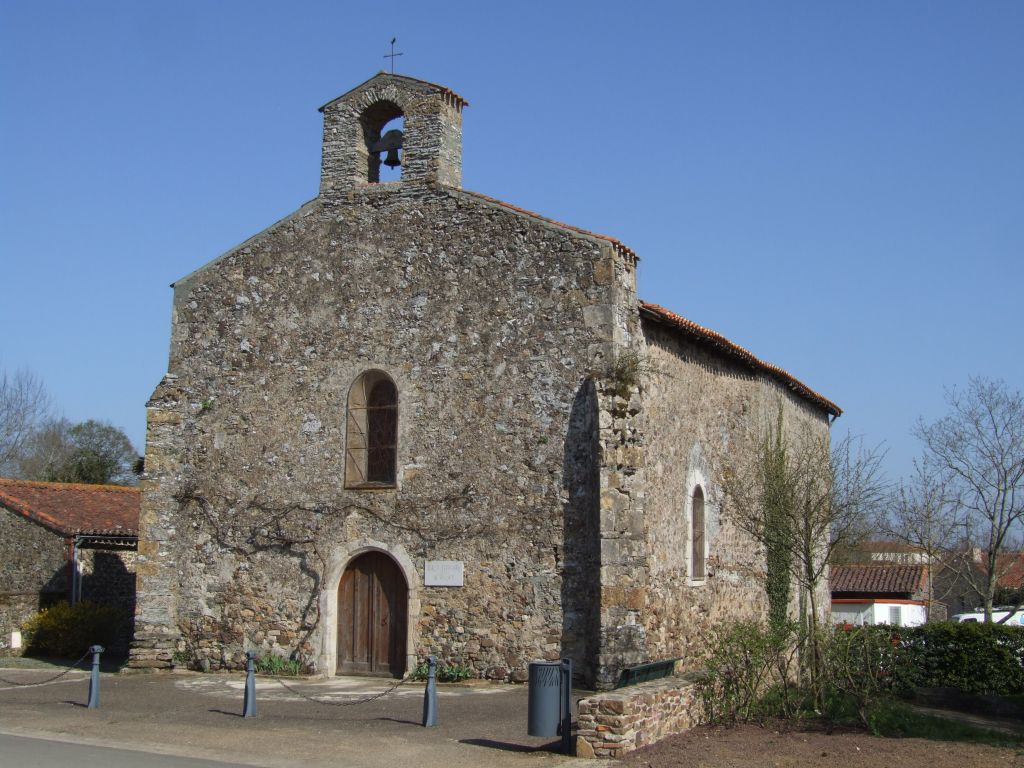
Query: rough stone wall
[490, 322]
[432, 146]
[702, 414]
[612, 724]
[33, 567]
[623, 546]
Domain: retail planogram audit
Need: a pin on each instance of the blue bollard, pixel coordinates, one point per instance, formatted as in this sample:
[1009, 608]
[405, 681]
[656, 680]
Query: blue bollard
[430, 694]
[249, 708]
[94, 678]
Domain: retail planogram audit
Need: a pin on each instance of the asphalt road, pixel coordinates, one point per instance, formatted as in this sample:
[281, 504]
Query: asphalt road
[45, 753]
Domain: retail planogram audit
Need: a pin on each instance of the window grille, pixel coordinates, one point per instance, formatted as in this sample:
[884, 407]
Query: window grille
[371, 448]
[698, 569]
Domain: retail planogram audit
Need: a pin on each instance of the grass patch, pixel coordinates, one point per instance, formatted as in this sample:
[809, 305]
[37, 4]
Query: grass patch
[279, 666]
[446, 673]
[894, 719]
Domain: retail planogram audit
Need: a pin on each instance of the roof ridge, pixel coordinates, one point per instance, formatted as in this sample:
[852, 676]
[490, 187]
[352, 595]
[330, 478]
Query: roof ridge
[661, 313]
[442, 88]
[879, 565]
[44, 518]
[10, 481]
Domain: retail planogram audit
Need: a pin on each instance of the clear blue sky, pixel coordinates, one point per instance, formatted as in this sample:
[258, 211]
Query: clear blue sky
[837, 186]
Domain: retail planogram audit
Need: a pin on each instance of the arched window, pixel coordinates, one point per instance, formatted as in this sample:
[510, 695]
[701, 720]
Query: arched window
[698, 569]
[371, 444]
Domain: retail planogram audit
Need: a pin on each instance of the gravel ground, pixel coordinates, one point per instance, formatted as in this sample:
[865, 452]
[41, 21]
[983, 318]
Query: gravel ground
[744, 746]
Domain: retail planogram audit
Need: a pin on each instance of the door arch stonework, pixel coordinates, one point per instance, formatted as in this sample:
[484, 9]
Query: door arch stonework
[327, 661]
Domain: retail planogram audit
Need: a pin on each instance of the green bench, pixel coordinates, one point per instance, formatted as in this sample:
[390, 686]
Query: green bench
[641, 673]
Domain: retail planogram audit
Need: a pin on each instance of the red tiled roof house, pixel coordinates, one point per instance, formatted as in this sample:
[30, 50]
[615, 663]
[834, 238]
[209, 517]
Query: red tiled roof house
[64, 541]
[884, 593]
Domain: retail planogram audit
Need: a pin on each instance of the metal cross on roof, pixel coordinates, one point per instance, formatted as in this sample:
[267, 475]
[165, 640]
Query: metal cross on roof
[392, 55]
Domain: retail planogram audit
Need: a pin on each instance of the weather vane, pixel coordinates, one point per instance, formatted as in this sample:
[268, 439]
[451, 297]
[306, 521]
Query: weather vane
[392, 55]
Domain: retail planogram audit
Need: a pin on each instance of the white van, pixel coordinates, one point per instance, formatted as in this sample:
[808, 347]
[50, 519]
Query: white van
[997, 616]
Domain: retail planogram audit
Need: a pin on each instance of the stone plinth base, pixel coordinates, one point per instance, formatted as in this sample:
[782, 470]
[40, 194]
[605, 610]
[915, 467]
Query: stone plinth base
[611, 724]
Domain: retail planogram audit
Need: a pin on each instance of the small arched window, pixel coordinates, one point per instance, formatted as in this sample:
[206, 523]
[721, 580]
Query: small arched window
[698, 569]
[371, 444]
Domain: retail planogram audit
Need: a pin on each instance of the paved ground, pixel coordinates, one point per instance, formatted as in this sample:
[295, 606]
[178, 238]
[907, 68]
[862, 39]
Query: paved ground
[199, 716]
[46, 753]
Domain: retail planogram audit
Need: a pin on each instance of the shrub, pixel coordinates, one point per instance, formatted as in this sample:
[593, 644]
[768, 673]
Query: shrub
[754, 673]
[860, 667]
[751, 673]
[68, 630]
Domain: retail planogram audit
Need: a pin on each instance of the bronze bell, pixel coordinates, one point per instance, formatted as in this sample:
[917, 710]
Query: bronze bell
[390, 142]
[391, 160]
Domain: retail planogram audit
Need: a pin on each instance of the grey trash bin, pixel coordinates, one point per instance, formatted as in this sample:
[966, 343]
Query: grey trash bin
[544, 706]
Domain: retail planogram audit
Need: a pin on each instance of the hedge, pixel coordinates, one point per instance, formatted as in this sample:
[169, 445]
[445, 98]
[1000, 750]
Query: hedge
[973, 658]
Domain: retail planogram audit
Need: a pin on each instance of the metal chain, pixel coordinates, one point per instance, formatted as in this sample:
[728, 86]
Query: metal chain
[363, 700]
[47, 680]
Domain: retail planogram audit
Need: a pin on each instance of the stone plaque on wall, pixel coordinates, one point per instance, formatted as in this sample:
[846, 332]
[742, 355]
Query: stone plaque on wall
[442, 573]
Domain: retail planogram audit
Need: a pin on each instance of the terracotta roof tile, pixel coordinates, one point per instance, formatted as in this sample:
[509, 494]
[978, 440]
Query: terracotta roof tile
[659, 313]
[1010, 567]
[73, 508]
[706, 335]
[880, 579]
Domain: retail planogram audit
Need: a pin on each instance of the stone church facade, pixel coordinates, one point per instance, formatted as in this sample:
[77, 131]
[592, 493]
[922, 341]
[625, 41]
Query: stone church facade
[412, 419]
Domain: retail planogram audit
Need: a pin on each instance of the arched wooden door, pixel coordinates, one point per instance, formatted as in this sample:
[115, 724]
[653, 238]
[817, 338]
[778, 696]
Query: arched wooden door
[372, 605]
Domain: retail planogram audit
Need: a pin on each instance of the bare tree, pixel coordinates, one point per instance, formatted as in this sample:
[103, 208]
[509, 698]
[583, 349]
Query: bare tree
[977, 451]
[44, 450]
[802, 499]
[806, 501]
[24, 405]
[922, 513]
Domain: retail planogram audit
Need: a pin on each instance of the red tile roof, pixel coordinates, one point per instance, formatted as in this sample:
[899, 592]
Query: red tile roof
[73, 508]
[1010, 567]
[879, 579]
[706, 335]
[660, 314]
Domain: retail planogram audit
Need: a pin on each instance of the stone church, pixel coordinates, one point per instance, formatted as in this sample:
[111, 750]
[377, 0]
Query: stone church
[410, 419]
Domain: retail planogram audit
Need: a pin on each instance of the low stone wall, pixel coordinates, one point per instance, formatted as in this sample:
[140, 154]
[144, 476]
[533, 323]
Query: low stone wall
[611, 724]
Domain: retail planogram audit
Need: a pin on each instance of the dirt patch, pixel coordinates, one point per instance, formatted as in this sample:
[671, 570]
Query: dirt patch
[744, 746]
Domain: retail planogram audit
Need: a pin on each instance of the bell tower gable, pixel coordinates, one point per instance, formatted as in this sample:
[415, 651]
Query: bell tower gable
[428, 148]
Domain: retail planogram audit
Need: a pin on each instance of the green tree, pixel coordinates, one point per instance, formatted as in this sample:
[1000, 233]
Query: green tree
[89, 452]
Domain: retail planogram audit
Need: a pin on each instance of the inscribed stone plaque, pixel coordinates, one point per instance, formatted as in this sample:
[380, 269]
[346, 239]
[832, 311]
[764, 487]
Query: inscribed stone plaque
[442, 573]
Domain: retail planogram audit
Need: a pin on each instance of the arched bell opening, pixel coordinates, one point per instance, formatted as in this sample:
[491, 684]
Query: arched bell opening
[383, 131]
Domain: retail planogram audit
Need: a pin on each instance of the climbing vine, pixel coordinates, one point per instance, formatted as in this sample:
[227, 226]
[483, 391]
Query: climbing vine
[778, 501]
